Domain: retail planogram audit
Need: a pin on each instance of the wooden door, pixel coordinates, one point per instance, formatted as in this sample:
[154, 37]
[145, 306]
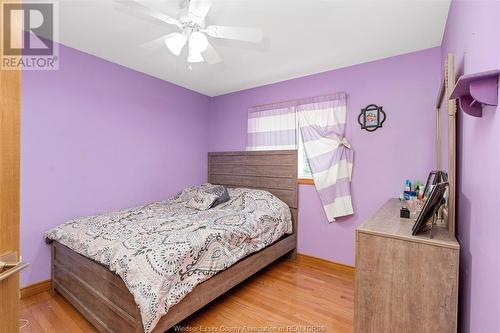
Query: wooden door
[10, 114]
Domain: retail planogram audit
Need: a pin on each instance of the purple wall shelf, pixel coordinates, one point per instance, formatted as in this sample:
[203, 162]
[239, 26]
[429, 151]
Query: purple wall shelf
[476, 90]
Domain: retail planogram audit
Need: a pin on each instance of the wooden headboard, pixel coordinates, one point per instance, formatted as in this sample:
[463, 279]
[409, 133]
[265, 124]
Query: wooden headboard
[274, 171]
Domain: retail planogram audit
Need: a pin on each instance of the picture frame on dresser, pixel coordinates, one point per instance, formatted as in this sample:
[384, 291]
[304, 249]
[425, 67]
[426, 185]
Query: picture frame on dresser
[435, 177]
[430, 208]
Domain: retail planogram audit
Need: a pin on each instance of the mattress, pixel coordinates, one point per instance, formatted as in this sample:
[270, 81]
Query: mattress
[165, 249]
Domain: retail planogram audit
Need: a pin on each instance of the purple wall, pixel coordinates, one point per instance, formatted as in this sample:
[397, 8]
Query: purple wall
[96, 137]
[473, 34]
[406, 86]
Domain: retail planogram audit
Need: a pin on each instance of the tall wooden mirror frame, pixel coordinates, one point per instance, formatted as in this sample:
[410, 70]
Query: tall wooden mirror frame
[447, 85]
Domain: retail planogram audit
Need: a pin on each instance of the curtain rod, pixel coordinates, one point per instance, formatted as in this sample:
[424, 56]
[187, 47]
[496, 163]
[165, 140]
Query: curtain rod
[296, 101]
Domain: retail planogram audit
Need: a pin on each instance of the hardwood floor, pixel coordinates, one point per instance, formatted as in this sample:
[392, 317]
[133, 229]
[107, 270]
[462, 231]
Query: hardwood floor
[295, 294]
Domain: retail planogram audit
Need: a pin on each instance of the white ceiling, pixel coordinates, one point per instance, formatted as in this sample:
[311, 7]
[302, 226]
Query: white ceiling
[300, 38]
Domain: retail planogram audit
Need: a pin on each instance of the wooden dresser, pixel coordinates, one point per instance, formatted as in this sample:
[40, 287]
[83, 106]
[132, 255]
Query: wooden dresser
[404, 283]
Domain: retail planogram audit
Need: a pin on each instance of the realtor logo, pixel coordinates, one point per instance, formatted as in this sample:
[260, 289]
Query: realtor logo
[27, 38]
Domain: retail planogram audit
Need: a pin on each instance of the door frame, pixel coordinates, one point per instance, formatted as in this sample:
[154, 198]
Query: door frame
[10, 123]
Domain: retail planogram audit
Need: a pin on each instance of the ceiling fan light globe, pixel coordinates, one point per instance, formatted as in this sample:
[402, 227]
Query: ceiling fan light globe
[198, 42]
[195, 57]
[175, 42]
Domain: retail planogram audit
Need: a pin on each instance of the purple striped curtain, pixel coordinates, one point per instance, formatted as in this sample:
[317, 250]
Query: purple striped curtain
[272, 128]
[322, 125]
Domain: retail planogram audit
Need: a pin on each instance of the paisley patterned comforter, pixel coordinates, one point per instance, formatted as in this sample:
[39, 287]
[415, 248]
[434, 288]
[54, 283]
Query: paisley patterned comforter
[164, 249]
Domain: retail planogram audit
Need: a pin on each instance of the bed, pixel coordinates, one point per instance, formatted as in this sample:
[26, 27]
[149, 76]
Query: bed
[103, 297]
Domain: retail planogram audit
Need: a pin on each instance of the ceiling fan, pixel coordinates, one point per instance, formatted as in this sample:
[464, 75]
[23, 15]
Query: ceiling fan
[194, 30]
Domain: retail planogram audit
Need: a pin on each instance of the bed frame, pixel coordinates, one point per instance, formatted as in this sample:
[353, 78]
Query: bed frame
[102, 297]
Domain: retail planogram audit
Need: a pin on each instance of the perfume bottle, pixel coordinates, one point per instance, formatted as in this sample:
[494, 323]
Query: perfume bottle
[408, 185]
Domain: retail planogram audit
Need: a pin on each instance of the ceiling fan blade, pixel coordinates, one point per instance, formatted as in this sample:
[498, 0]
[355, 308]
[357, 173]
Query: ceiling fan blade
[211, 56]
[137, 9]
[253, 35]
[154, 44]
[198, 9]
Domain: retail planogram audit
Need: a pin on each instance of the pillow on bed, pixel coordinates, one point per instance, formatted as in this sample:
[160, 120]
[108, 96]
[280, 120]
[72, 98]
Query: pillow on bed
[208, 196]
[202, 201]
[221, 193]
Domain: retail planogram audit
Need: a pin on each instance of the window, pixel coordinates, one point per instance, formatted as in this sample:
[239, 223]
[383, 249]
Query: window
[304, 170]
[277, 128]
[322, 121]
